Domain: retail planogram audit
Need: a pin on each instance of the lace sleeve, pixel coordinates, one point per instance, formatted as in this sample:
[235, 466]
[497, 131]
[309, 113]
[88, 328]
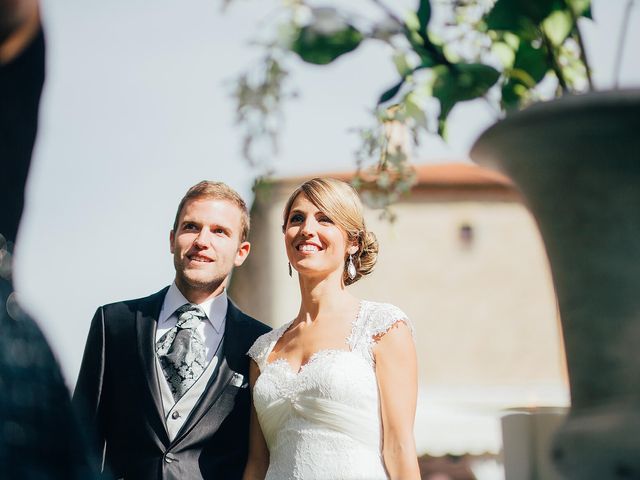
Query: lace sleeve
[385, 316]
[259, 351]
[380, 318]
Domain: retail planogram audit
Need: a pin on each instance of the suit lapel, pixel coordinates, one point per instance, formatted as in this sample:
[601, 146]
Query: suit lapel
[146, 323]
[231, 354]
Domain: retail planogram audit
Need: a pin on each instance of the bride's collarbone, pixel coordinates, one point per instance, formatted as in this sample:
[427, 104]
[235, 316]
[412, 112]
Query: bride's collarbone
[298, 345]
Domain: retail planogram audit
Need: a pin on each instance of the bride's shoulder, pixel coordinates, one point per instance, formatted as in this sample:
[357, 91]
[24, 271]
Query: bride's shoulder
[261, 348]
[379, 317]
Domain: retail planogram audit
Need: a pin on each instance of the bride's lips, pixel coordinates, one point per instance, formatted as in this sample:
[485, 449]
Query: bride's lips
[308, 248]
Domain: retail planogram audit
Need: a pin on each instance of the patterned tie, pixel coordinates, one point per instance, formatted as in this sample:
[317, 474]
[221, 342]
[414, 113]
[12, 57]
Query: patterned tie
[181, 351]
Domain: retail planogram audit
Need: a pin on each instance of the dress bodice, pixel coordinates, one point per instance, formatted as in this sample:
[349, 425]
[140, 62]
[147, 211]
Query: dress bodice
[323, 421]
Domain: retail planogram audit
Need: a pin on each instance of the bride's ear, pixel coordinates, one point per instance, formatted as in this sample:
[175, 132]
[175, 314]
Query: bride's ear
[353, 249]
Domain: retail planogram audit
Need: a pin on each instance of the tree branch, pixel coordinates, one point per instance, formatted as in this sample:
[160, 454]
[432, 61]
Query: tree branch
[554, 64]
[388, 11]
[583, 52]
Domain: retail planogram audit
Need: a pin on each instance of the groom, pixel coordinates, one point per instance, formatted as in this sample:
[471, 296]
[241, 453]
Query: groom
[164, 378]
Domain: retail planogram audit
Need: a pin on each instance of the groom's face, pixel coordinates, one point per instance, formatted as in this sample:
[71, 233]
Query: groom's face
[206, 245]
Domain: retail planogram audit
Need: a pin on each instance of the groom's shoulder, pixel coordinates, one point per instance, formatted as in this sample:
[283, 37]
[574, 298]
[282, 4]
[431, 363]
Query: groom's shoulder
[254, 327]
[133, 305]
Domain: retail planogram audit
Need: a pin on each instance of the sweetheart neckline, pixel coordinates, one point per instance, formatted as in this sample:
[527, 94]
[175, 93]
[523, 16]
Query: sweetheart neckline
[286, 326]
[312, 358]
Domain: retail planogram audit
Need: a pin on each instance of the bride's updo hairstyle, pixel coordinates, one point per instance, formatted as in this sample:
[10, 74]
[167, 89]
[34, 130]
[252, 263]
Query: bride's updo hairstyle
[340, 202]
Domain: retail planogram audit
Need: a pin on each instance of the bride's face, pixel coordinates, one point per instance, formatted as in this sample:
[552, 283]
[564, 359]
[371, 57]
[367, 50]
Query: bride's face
[315, 245]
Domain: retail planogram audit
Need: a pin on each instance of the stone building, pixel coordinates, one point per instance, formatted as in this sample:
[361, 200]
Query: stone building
[465, 261]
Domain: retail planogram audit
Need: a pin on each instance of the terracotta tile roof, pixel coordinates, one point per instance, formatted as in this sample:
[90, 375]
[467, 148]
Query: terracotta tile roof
[449, 175]
[462, 174]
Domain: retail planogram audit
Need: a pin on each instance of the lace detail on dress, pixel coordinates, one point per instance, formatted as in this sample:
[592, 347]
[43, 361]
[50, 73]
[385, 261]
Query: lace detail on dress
[263, 345]
[323, 421]
[374, 321]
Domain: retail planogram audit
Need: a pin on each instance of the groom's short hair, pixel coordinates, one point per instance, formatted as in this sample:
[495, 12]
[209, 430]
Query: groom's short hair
[217, 191]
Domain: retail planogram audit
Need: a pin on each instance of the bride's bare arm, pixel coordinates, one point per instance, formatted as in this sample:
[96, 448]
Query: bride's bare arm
[396, 371]
[258, 460]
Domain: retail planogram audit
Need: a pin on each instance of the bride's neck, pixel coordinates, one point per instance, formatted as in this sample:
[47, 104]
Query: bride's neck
[319, 296]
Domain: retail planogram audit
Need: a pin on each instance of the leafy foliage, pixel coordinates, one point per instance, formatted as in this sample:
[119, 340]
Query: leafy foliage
[464, 81]
[320, 48]
[501, 51]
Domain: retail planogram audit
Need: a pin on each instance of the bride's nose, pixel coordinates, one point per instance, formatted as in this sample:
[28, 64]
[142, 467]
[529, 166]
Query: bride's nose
[307, 228]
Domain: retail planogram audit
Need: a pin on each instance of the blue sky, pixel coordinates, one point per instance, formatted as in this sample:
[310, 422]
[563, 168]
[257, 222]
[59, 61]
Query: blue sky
[137, 108]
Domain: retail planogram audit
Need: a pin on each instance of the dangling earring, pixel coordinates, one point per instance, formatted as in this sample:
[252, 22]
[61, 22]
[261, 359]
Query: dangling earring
[290, 271]
[351, 268]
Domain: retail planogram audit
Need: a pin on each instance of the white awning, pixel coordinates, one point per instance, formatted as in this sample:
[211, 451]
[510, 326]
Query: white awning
[458, 420]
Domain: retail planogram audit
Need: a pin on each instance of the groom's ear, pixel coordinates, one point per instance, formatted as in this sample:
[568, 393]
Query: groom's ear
[171, 241]
[243, 252]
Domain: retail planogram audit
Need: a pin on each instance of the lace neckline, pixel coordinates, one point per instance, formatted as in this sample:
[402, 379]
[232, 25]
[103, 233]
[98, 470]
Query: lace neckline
[349, 343]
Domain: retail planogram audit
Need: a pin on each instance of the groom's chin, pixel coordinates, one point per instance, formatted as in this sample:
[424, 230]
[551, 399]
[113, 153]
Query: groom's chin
[200, 280]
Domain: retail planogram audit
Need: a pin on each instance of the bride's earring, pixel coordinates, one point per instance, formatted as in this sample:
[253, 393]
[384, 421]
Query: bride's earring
[351, 268]
[290, 271]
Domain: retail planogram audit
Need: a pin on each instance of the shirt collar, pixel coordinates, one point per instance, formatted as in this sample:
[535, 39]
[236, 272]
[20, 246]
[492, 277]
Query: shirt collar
[215, 308]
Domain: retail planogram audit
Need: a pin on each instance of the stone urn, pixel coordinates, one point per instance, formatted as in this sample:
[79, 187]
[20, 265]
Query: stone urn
[576, 161]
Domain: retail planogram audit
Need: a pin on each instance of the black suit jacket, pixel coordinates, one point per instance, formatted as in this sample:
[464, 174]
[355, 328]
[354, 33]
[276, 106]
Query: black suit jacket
[118, 392]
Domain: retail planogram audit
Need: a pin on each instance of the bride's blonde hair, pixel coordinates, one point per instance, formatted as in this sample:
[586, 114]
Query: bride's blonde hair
[340, 202]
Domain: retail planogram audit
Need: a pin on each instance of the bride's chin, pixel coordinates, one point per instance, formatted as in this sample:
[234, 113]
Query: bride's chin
[312, 273]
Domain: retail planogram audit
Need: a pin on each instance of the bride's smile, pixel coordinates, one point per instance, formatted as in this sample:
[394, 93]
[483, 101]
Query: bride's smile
[314, 243]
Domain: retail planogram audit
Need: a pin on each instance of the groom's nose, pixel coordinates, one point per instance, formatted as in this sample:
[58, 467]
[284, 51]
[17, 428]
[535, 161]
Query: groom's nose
[202, 239]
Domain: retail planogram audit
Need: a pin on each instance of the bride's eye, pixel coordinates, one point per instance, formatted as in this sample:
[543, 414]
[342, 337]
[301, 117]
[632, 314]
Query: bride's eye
[296, 218]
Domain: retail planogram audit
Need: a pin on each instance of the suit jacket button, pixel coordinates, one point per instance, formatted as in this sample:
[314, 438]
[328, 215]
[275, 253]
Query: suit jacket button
[169, 457]
[175, 415]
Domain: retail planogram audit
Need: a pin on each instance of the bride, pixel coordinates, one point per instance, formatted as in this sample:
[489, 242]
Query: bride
[334, 390]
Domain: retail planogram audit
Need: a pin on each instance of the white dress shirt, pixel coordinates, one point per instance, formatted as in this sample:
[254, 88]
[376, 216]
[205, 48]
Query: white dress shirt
[210, 330]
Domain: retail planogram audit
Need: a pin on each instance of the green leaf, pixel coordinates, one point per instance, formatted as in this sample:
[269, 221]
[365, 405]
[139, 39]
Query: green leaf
[414, 111]
[402, 64]
[424, 15]
[532, 60]
[442, 122]
[427, 58]
[412, 22]
[459, 83]
[320, 49]
[588, 13]
[390, 93]
[516, 15]
[511, 39]
[558, 26]
[464, 81]
[580, 7]
[430, 52]
[412, 30]
[505, 53]
[513, 92]
[530, 67]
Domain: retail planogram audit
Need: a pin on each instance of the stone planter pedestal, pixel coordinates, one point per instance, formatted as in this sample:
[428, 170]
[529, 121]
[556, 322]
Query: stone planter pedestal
[577, 162]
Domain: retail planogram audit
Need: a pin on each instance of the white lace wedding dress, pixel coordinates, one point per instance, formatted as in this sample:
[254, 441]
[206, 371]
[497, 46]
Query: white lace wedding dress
[323, 422]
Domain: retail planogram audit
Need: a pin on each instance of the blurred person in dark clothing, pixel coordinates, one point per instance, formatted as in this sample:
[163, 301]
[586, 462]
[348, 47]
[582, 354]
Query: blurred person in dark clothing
[21, 80]
[39, 435]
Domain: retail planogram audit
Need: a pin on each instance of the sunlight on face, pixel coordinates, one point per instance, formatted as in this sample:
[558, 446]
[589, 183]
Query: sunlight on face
[315, 245]
[206, 245]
